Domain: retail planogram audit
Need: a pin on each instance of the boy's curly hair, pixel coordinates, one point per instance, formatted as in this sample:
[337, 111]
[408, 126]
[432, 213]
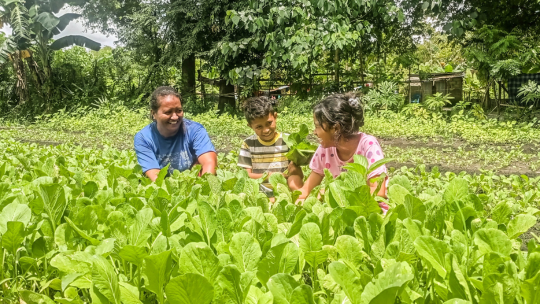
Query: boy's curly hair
[257, 107]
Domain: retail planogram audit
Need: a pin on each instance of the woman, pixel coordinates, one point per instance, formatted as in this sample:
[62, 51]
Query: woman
[171, 139]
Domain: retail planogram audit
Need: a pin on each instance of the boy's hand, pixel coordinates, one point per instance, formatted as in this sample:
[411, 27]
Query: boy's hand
[284, 175]
[293, 169]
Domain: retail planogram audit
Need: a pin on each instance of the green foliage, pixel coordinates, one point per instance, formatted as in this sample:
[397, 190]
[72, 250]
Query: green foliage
[437, 101]
[84, 224]
[500, 54]
[530, 93]
[472, 88]
[300, 149]
[384, 97]
[292, 35]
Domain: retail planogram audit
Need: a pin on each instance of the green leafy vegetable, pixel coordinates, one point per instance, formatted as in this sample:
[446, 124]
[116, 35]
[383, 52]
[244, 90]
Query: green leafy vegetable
[300, 150]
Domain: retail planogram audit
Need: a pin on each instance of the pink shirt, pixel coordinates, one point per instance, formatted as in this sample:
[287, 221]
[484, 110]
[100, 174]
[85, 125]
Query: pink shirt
[328, 158]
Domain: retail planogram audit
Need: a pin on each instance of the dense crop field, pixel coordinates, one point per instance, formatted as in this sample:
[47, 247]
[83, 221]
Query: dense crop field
[82, 226]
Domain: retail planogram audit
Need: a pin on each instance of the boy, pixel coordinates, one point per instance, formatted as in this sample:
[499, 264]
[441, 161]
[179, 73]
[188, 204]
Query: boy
[265, 150]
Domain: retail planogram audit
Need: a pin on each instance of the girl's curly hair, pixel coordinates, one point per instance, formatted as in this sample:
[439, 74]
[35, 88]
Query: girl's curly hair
[342, 110]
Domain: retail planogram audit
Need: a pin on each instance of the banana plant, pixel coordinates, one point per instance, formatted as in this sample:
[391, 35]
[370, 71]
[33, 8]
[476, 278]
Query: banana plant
[29, 48]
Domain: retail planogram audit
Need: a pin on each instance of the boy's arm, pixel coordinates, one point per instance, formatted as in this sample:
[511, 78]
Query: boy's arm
[259, 175]
[253, 175]
[295, 180]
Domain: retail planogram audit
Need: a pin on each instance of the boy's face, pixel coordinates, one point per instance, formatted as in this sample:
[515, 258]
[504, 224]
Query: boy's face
[264, 127]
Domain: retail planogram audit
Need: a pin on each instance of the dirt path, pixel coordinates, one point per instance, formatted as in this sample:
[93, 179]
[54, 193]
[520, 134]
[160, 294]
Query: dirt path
[529, 235]
[455, 144]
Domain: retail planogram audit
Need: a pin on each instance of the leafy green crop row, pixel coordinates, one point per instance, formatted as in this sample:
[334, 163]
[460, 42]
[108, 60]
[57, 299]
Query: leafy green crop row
[116, 125]
[82, 226]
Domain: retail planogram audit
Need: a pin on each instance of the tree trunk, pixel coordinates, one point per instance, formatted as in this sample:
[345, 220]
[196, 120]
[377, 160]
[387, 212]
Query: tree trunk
[228, 99]
[188, 75]
[203, 88]
[336, 67]
[18, 67]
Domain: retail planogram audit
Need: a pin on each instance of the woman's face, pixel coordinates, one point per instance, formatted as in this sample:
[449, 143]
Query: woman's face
[169, 115]
[326, 138]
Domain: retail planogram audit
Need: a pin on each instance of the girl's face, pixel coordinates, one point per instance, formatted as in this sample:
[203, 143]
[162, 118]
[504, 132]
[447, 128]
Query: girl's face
[326, 138]
[169, 115]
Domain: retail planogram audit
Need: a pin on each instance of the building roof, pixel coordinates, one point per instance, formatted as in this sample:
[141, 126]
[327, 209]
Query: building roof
[414, 79]
[436, 76]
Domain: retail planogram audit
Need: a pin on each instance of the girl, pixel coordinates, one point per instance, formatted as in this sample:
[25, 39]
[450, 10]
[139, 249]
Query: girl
[338, 119]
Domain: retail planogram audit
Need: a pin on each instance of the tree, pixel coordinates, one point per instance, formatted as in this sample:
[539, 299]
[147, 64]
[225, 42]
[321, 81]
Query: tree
[167, 33]
[34, 25]
[460, 16]
[293, 35]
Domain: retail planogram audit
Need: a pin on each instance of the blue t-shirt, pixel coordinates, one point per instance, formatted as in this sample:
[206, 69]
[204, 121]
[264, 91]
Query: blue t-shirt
[181, 150]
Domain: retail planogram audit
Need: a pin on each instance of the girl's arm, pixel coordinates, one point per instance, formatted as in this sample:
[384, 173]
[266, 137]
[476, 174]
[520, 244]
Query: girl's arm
[373, 186]
[313, 180]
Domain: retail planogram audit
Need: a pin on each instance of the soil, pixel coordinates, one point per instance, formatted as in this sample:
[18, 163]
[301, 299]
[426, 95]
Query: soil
[528, 235]
[41, 142]
[517, 168]
[454, 144]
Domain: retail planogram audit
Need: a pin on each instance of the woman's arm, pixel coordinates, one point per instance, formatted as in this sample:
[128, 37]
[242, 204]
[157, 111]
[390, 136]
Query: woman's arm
[313, 180]
[208, 162]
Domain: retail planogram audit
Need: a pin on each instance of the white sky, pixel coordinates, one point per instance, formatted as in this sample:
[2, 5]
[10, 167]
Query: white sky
[76, 27]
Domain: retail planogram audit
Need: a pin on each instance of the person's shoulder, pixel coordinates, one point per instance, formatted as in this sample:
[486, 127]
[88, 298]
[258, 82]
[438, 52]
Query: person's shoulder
[251, 140]
[368, 139]
[145, 133]
[251, 137]
[192, 125]
[366, 136]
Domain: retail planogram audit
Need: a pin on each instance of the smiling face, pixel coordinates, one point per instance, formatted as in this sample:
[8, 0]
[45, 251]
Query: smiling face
[326, 137]
[265, 127]
[169, 115]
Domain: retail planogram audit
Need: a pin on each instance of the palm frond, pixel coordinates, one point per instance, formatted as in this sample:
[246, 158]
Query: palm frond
[6, 49]
[20, 22]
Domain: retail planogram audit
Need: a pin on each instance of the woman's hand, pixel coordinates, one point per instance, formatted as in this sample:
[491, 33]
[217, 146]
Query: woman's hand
[152, 174]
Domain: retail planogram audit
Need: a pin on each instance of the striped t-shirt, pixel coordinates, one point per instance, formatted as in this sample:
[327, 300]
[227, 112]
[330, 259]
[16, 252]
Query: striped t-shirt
[262, 156]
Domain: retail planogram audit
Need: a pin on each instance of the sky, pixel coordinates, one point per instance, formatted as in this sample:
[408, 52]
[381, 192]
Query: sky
[76, 27]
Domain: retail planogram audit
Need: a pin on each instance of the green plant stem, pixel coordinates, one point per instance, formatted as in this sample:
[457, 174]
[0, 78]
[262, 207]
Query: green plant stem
[2, 264]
